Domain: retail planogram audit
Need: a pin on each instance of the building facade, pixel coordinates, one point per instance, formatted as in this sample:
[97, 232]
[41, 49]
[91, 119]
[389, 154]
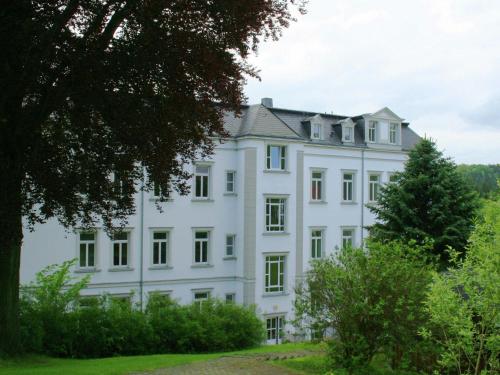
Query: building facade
[285, 187]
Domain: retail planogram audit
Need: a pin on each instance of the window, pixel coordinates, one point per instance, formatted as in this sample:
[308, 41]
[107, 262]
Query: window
[200, 297]
[392, 132]
[316, 186]
[120, 185]
[347, 238]
[230, 181]
[201, 181]
[230, 298]
[348, 134]
[275, 273]
[120, 249]
[276, 157]
[157, 190]
[160, 248]
[372, 128]
[230, 244]
[374, 187]
[87, 247]
[316, 243]
[316, 131]
[274, 329]
[347, 186]
[201, 246]
[275, 214]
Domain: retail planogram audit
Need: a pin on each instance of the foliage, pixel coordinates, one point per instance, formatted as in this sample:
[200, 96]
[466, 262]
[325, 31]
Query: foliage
[56, 321]
[98, 95]
[428, 200]
[463, 305]
[371, 300]
[212, 326]
[483, 178]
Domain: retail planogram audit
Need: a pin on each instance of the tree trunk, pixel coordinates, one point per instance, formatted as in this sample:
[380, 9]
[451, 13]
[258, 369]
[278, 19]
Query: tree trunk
[11, 233]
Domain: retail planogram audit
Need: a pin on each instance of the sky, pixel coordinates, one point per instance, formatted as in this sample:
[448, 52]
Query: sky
[435, 63]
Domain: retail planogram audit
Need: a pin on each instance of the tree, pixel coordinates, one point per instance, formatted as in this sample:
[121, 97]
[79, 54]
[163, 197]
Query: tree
[483, 178]
[428, 200]
[463, 305]
[370, 299]
[98, 94]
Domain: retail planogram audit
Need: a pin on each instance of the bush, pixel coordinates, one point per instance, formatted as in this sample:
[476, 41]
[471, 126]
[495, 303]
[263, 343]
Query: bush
[55, 322]
[371, 300]
[211, 326]
[464, 305]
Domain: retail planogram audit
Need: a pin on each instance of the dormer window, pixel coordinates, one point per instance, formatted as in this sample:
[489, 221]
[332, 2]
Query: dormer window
[316, 131]
[348, 133]
[372, 129]
[393, 131]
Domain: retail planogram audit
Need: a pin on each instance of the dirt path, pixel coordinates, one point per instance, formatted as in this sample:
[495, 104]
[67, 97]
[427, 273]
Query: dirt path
[238, 365]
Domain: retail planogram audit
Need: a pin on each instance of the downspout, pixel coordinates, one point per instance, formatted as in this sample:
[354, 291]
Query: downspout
[362, 196]
[141, 246]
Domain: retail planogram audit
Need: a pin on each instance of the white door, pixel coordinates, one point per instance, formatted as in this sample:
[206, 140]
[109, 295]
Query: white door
[274, 329]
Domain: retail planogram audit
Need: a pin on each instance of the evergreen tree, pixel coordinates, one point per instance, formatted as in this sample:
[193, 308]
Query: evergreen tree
[428, 200]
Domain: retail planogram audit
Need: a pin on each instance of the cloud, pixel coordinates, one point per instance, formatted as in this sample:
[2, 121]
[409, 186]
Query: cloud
[425, 59]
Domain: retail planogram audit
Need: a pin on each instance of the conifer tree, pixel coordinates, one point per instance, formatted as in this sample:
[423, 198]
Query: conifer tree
[429, 200]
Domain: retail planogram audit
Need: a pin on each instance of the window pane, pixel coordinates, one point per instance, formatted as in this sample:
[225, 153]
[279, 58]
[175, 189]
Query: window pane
[121, 236]
[116, 254]
[155, 253]
[160, 235]
[197, 252]
[124, 254]
[201, 235]
[87, 236]
[91, 255]
[83, 255]
[205, 186]
[197, 186]
[164, 253]
[275, 157]
[202, 169]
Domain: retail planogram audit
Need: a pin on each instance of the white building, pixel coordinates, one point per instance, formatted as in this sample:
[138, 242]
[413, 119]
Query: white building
[288, 186]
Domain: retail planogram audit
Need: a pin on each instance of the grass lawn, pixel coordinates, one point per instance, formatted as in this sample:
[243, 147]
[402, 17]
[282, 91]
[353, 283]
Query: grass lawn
[41, 365]
[317, 364]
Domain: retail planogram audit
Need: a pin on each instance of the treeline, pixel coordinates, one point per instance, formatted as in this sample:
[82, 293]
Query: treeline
[483, 178]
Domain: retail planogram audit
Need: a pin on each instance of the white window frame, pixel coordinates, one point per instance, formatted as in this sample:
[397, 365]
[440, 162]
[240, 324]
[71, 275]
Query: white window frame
[316, 130]
[280, 259]
[282, 158]
[393, 133]
[374, 187]
[345, 183]
[208, 293]
[314, 238]
[372, 131]
[87, 243]
[281, 226]
[344, 237]
[274, 334]
[345, 128]
[208, 241]
[232, 246]
[230, 297]
[229, 183]
[204, 176]
[168, 243]
[121, 242]
[315, 181]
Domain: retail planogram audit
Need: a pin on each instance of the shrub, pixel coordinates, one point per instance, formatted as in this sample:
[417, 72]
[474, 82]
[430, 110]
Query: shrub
[54, 322]
[211, 326]
[372, 300]
[463, 305]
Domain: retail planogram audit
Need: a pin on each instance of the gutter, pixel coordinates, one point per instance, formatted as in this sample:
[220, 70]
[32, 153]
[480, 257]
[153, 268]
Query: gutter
[362, 196]
[141, 246]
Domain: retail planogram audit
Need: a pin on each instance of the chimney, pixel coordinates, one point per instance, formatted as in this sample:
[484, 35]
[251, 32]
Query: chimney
[267, 102]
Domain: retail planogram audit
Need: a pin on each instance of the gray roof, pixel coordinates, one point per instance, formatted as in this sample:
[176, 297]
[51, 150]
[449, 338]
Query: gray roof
[258, 120]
